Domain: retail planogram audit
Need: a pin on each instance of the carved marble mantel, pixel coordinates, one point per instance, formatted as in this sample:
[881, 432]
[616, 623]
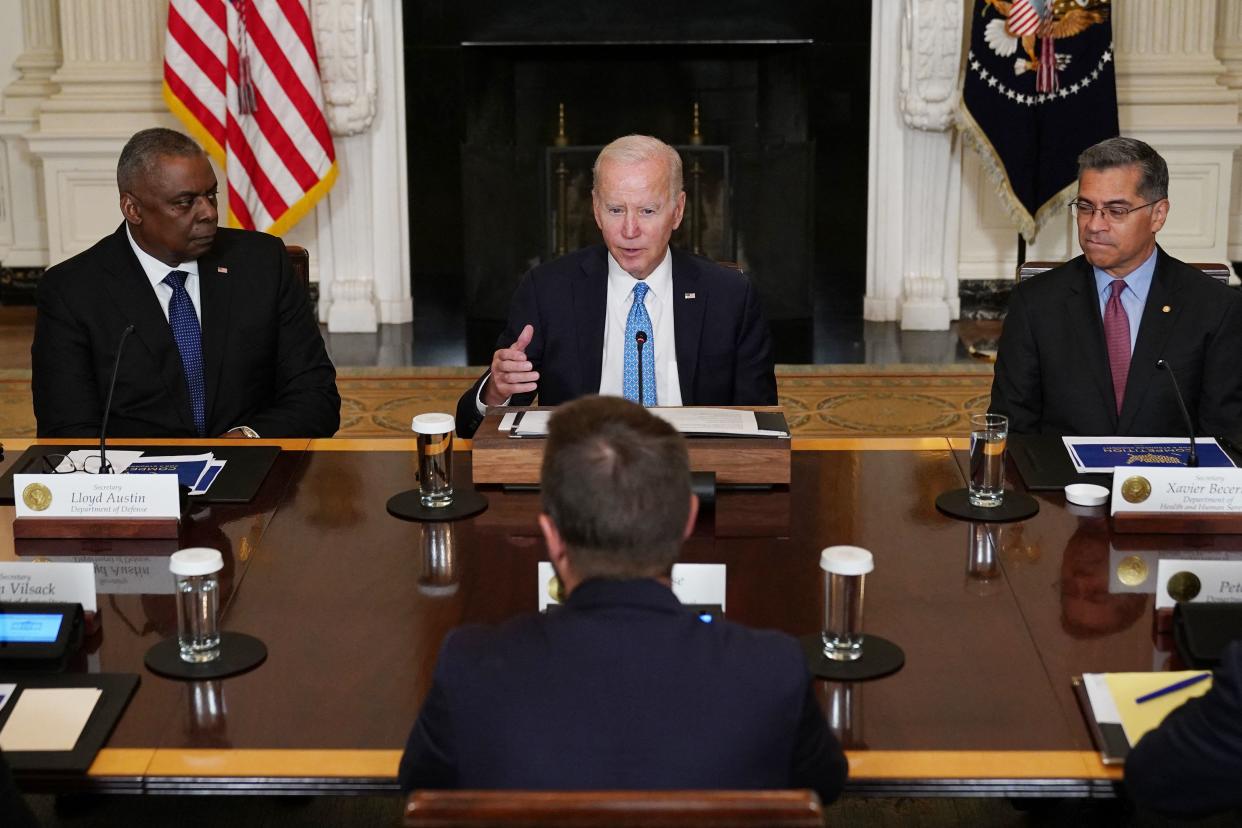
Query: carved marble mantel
[914, 176]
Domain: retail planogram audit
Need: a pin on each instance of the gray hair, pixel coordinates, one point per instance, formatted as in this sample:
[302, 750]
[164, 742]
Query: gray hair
[1125, 152]
[145, 148]
[634, 149]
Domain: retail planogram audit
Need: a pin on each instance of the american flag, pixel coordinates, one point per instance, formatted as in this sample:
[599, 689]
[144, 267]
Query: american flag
[1025, 17]
[243, 77]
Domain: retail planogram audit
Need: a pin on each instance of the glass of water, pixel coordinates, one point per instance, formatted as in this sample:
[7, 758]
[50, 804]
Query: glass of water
[198, 602]
[988, 435]
[435, 458]
[844, 569]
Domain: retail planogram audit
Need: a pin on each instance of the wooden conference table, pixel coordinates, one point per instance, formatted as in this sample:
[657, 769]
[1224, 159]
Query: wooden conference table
[353, 604]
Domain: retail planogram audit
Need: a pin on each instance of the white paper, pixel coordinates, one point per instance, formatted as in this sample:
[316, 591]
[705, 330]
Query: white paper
[1103, 705]
[532, 424]
[48, 718]
[6, 693]
[733, 421]
[506, 422]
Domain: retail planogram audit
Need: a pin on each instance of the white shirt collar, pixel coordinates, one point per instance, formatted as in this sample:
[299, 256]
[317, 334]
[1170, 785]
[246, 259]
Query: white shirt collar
[659, 283]
[155, 269]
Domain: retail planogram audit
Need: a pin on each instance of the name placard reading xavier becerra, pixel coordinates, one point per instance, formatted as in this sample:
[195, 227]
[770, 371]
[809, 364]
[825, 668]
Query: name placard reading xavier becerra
[1177, 490]
[96, 496]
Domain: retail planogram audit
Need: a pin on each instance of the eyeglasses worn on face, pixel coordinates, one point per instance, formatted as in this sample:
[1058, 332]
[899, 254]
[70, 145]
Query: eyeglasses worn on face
[1083, 211]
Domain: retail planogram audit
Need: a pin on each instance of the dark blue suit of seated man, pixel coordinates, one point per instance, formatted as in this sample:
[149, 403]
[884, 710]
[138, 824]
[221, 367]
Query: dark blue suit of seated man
[575, 322]
[621, 687]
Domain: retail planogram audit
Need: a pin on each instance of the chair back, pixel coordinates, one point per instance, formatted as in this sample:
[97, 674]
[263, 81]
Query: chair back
[299, 260]
[604, 809]
[1217, 270]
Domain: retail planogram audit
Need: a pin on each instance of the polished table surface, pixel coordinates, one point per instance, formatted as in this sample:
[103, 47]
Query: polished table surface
[353, 604]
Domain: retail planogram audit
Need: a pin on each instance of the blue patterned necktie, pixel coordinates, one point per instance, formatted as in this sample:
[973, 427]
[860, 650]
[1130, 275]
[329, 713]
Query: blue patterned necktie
[184, 323]
[638, 320]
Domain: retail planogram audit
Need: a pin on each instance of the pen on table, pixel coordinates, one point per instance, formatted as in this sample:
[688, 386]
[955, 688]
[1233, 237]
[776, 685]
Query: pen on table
[1172, 688]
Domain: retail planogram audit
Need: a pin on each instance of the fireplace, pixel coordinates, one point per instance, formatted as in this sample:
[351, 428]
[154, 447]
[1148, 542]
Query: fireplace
[776, 157]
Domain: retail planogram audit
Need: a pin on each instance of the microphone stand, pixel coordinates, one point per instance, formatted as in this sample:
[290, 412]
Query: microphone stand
[104, 466]
[1192, 460]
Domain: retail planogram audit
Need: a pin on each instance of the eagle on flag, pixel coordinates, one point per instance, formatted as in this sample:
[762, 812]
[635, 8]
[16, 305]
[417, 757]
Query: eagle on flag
[1043, 20]
[1038, 89]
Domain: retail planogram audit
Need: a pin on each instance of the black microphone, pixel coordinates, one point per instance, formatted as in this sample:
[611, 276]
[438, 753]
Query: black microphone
[1193, 459]
[640, 337]
[104, 467]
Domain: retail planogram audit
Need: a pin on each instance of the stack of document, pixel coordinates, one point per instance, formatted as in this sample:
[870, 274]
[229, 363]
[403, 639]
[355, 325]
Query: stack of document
[1103, 454]
[715, 422]
[195, 471]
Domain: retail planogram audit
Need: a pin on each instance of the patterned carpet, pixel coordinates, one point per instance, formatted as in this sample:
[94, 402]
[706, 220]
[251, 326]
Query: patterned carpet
[819, 400]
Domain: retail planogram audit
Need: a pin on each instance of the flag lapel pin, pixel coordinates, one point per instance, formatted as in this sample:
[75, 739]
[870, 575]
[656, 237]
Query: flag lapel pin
[689, 296]
[222, 270]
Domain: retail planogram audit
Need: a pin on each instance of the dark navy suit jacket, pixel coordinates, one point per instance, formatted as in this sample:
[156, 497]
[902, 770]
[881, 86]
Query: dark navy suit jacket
[1052, 374]
[1192, 763]
[724, 350]
[621, 688]
[264, 361]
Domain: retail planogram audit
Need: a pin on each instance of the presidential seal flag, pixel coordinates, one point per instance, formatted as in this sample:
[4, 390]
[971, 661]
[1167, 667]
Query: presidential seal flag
[1039, 89]
[243, 76]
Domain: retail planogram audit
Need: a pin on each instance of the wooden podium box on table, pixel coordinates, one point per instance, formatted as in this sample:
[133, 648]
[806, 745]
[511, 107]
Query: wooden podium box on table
[498, 458]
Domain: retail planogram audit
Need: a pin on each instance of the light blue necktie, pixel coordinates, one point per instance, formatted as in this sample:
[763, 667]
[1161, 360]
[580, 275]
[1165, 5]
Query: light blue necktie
[184, 322]
[639, 321]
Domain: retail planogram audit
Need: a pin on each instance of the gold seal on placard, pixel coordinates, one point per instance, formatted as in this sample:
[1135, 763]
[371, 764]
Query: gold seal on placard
[1184, 586]
[1136, 489]
[555, 590]
[37, 497]
[1132, 570]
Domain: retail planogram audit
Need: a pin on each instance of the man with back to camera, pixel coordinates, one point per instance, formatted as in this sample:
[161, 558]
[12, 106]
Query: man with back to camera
[621, 687]
[573, 321]
[1191, 765]
[1080, 344]
[224, 340]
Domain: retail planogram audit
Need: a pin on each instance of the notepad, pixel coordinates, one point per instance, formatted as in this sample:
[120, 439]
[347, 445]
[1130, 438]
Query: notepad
[48, 718]
[1138, 719]
[1118, 720]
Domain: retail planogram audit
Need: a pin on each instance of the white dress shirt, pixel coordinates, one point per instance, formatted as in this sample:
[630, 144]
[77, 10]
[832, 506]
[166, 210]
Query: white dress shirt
[662, 340]
[662, 344]
[157, 271]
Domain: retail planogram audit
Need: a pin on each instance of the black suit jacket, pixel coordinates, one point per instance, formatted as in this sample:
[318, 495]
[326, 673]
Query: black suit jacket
[1192, 763]
[264, 362]
[621, 688]
[1052, 373]
[724, 351]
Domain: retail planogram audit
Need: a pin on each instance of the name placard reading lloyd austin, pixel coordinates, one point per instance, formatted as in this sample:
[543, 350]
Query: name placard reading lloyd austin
[96, 496]
[1175, 490]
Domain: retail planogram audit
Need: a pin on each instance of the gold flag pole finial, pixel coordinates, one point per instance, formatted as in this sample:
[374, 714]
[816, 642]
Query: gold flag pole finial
[696, 136]
[561, 139]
